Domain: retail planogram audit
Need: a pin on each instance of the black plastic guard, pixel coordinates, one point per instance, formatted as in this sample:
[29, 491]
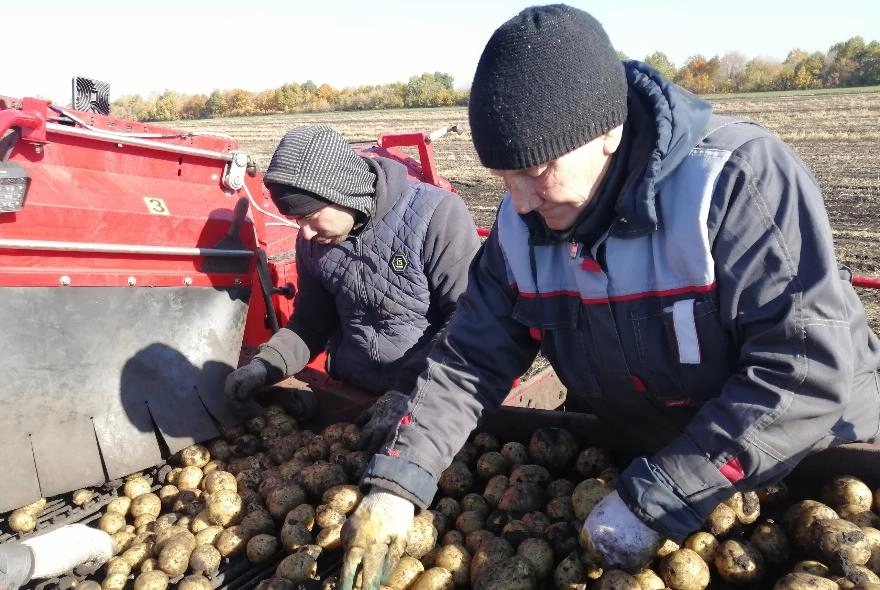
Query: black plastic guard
[99, 382]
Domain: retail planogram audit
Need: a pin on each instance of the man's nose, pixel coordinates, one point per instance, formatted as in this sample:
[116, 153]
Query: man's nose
[525, 202]
[307, 231]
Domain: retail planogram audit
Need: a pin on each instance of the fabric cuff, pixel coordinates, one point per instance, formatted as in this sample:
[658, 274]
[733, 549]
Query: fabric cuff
[16, 565]
[400, 477]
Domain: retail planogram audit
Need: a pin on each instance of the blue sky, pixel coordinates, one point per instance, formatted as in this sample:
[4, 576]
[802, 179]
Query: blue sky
[194, 46]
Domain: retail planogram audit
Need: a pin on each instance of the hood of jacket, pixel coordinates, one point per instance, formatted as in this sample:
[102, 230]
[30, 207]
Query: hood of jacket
[664, 123]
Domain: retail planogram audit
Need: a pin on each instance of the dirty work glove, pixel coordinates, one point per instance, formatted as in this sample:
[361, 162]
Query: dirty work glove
[67, 547]
[618, 534]
[243, 382]
[379, 420]
[374, 537]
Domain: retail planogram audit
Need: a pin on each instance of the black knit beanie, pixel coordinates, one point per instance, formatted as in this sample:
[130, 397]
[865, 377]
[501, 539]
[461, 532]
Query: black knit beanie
[548, 82]
[313, 167]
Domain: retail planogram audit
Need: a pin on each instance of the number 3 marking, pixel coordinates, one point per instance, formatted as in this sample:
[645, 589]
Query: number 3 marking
[156, 206]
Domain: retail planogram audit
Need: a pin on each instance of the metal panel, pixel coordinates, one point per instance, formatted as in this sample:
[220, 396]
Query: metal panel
[98, 382]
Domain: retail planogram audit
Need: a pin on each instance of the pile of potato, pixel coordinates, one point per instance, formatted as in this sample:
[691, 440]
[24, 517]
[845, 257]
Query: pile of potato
[508, 516]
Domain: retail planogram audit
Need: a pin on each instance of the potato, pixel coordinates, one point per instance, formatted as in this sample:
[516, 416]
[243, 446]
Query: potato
[88, 585]
[261, 548]
[475, 540]
[739, 561]
[449, 507]
[511, 573]
[110, 522]
[746, 506]
[326, 516]
[858, 516]
[294, 535]
[721, 521]
[218, 480]
[24, 521]
[224, 507]
[457, 561]
[303, 514]
[189, 478]
[494, 489]
[137, 553]
[846, 489]
[522, 497]
[667, 547]
[560, 508]
[121, 541]
[149, 564]
[592, 461]
[119, 505]
[404, 573]
[205, 559]
[342, 498]
[195, 582]
[539, 554]
[490, 464]
[421, 538]
[489, 552]
[456, 480]
[771, 540]
[435, 578]
[214, 465]
[168, 494]
[220, 449]
[704, 543]
[142, 522]
[798, 518]
[562, 538]
[560, 488]
[117, 565]
[470, 521]
[231, 541]
[115, 581]
[81, 497]
[804, 581]
[194, 455]
[148, 503]
[530, 472]
[151, 580]
[329, 537]
[835, 539]
[587, 494]
[554, 448]
[135, 487]
[298, 567]
[569, 571]
[649, 580]
[516, 453]
[684, 570]
[258, 521]
[175, 554]
[282, 500]
[209, 535]
[474, 501]
[616, 580]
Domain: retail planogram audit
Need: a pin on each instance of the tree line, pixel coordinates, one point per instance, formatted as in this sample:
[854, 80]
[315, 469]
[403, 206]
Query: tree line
[848, 64]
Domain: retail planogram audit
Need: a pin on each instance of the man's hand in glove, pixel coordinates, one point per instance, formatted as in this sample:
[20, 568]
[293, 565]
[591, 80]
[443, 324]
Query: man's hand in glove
[380, 419]
[243, 382]
[618, 534]
[70, 546]
[374, 537]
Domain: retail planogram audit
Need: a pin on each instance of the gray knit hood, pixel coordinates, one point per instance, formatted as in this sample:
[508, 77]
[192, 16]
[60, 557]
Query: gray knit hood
[316, 161]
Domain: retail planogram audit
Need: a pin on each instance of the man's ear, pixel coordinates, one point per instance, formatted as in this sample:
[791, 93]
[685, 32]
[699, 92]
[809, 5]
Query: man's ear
[611, 140]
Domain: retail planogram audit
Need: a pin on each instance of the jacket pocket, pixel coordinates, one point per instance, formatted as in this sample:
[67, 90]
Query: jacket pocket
[685, 353]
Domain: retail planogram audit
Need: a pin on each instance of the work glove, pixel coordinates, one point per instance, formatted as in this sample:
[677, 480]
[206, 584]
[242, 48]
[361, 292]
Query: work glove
[379, 420]
[74, 545]
[374, 537]
[242, 383]
[619, 536]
